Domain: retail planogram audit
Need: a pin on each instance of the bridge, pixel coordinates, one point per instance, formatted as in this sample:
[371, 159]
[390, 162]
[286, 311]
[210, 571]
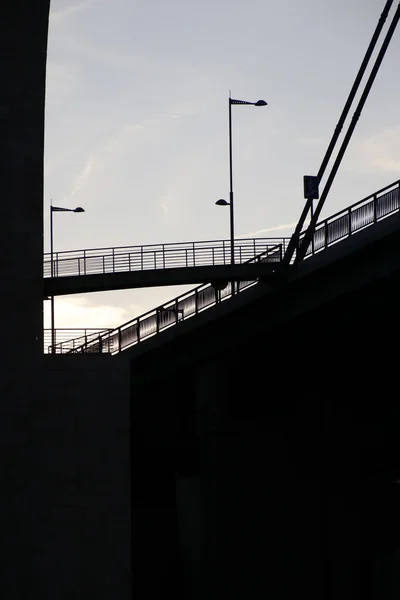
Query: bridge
[217, 443]
[280, 405]
[101, 268]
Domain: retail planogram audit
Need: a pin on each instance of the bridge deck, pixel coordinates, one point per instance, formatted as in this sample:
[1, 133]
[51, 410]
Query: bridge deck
[102, 269]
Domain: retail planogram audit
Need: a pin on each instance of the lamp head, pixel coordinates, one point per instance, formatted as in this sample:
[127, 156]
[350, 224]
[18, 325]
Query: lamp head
[222, 202]
[260, 103]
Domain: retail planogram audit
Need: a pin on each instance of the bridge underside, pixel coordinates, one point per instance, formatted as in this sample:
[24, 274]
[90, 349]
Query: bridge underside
[281, 435]
[215, 274]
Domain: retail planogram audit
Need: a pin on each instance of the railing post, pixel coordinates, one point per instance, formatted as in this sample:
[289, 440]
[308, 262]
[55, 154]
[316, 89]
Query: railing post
[349, 213]
[119, 339]
[326, 233]
[113, 259]
[138, 330]
[84, 262]
[196, 302]
[163, 253]
[194, 255]
[374, 205]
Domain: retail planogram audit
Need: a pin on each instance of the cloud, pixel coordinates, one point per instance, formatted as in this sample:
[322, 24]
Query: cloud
[164, 206]
[116, 145]
[80, 312]
[81, 179]
[120, 142]
[286, 227]
[62, 9]
[379, 153]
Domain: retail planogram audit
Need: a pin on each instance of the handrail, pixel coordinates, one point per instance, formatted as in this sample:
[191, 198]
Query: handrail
[155, 256]
[68, 338]
[371, 196]
[180, 308]
[354, 218]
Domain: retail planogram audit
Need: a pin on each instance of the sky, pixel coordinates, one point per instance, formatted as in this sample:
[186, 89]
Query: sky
[137, 124]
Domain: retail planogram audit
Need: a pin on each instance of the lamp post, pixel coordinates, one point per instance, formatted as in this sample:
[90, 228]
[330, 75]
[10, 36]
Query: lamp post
[221, 201]
[53, 209]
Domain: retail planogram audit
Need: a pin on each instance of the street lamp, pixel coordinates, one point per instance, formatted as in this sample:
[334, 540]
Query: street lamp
[223, 202]
[53, 209]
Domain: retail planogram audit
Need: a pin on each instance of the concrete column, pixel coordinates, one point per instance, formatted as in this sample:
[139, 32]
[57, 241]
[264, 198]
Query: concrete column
[196, 494]
[23, 45]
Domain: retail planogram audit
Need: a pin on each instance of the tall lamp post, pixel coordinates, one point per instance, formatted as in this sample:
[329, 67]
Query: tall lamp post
[53, 209]
[223, 202]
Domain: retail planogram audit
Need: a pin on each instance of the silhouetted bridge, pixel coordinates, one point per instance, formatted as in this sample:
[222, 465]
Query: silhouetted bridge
[362, 218]
[101, 269]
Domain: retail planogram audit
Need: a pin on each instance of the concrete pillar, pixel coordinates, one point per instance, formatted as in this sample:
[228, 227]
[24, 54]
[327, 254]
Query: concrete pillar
[23, 45]
[196, 494]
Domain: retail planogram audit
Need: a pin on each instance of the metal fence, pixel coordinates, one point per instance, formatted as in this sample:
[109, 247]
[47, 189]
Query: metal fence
[68, 339]
[159, 256]
[173, 312]
[355, 218]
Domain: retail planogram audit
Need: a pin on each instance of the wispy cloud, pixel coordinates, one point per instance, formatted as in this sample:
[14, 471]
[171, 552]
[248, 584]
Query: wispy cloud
[81, 312]
[61, 9]
[121, 141]
[379, 153]
[286, 227]
[115, 145]
[81, 179]
[164, 205]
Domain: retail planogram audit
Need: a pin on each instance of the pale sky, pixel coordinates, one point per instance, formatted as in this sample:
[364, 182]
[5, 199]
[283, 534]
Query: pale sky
[137, 123]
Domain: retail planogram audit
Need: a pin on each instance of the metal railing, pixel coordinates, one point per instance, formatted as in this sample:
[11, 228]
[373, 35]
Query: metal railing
[67, 339]
[156, 256]
[355, 218]
[332, 230]
[175, 311]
